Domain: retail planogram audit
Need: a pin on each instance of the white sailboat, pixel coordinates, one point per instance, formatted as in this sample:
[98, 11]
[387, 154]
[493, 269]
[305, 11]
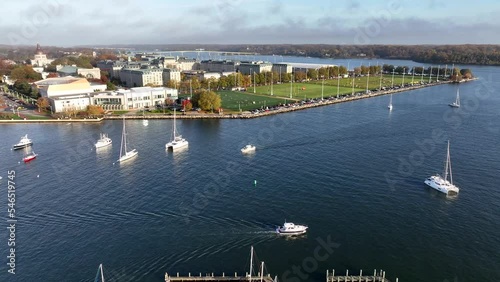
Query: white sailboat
[456, 104]
[124, 154]
[390, 104]
[177, 140]
[441, 183]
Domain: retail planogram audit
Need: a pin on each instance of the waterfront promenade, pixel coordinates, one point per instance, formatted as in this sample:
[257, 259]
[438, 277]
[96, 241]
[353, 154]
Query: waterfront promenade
[297, 106]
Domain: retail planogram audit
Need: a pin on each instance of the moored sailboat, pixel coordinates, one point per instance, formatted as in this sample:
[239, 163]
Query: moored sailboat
[456, 104]
[124, 154]
[441, 183]
[177, 140]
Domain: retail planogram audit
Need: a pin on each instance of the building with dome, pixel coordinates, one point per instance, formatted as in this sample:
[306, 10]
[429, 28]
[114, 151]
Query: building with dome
[40, 59]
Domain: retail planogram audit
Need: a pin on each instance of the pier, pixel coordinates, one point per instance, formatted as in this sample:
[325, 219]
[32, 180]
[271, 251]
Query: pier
[212, 277]
[378, 276]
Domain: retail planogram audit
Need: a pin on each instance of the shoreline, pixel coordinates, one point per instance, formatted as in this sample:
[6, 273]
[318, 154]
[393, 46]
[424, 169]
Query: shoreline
[281, 110]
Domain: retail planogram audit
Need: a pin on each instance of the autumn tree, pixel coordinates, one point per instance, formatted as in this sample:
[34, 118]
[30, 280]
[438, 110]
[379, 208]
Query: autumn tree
[42, 103]
[209, 100]
[188, 106]
[95, 110]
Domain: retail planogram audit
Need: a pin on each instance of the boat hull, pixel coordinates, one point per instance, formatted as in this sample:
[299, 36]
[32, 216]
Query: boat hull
[176, 145]
[22, 146]
[102, 144]
[128, 156]
[444, 187]
[29, 159]
[280, 232]
[454, 105]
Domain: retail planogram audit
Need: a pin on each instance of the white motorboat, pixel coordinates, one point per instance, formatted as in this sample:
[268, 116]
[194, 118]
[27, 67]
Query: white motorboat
[23, 143]
[289, 228]
[248, 149]
[124, 154]
[177, 140]
[441, 183]
[103, 141]
[390, 104]
[456, 104]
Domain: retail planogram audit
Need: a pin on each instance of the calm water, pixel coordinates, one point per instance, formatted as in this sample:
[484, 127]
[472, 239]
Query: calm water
[353, 172]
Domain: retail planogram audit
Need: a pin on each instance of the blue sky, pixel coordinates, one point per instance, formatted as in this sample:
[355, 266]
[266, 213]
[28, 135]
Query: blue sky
[91, 22]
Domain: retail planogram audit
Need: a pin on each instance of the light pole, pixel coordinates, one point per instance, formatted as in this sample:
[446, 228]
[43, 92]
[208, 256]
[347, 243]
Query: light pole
[322, 87]
[403, 83]
[367, 81]
[338, 82]
[191, 88]
[380, 80]
[392, 82]
[254, 83]
[272, 82]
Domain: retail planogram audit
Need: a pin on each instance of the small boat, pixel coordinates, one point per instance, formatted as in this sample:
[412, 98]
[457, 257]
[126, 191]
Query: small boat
[248, 149]
[103, 141]
[124, 154]
[441, 183]
[23, 143]
[29, 157]
[145, 122]
[289, 228]
[177, 141]
[456, 104]
[390, 104]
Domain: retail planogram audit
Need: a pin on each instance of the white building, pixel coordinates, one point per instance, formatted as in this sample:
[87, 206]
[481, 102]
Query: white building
[40, 59]
[93, 73]
[73, 102]
[141, 77]
[247, 68]
[171, 75]
[282, 68]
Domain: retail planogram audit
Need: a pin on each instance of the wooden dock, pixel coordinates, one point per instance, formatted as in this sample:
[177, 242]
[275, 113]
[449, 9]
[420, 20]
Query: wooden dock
[212, 277]
[376, 277]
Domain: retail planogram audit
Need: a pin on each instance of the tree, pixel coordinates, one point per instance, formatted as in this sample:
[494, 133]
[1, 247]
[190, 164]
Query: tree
[52, 74]
[466, 73]
[209, 100]
[188, 106]
[42, 103]
[110, 86]
[95, 110]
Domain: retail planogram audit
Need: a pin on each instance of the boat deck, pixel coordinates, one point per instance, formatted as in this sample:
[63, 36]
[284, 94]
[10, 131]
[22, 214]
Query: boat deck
[211, 277]
[376, 277]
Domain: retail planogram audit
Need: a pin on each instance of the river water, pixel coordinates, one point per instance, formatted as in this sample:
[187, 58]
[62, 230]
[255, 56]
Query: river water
[353, 172]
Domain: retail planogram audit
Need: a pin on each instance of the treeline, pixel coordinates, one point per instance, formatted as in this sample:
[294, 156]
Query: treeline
[432, 54]
[442, 54]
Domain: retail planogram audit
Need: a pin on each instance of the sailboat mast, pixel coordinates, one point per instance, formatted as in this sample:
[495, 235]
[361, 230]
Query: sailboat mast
[123, 137]
[458, 96]
[175, 134]
[448, 160]
[251, 263]
[102, 274]
[261, 271]
[445, 174]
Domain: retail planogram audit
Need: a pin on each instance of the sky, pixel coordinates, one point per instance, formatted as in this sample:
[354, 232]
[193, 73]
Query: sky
[68, 23]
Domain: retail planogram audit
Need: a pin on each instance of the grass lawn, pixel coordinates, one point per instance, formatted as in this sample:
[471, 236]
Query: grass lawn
[232, 100]
[119, 112]
[306, 90]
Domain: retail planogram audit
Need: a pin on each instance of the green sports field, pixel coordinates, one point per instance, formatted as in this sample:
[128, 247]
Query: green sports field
[234, 101]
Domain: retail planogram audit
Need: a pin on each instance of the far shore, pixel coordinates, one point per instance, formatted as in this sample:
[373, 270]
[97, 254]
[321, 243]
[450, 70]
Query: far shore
[244, 115]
